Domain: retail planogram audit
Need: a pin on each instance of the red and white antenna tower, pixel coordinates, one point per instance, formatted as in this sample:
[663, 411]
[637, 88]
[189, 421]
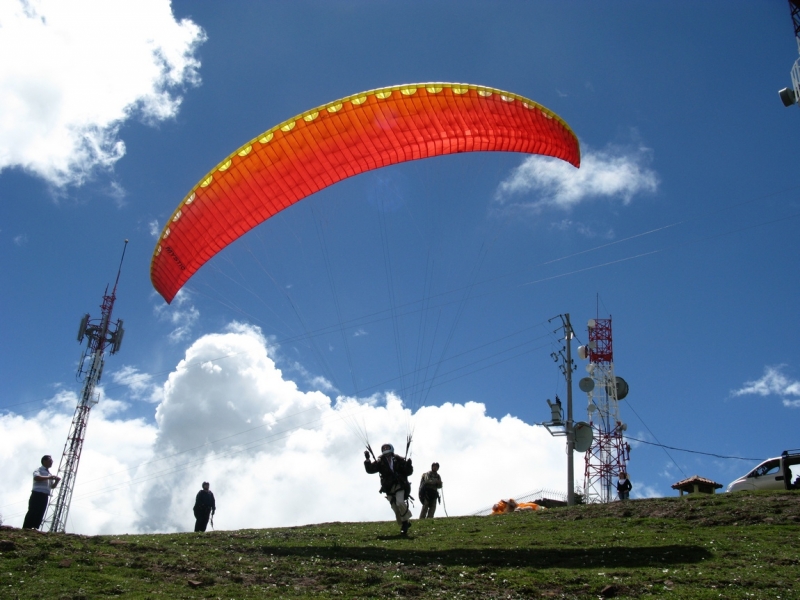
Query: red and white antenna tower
[606, 457]
[100, 334]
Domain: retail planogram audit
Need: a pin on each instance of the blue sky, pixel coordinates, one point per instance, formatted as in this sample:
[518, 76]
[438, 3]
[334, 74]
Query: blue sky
[680, 225]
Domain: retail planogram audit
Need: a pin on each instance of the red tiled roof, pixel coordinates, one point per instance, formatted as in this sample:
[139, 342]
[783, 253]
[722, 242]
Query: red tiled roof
[695, 479]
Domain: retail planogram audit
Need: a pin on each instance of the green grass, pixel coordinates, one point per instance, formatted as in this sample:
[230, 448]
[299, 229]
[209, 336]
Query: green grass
[744, 545]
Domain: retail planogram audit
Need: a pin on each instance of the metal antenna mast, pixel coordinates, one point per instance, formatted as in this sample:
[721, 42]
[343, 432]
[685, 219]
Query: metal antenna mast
[100, 333]
[791, 95]
[606, 457]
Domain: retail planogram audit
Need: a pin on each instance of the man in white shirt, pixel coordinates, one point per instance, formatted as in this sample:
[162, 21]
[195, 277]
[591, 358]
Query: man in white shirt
[43, 483]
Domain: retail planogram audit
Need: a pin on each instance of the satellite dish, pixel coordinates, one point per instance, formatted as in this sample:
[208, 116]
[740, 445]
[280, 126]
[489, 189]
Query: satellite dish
[622, 388]
[583, 436]
[586, 384]
[582, 352]
[592, 323]
[591, 409]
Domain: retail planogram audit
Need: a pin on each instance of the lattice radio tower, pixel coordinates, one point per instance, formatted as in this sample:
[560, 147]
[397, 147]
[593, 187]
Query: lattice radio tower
[100, 334]
[606, 457]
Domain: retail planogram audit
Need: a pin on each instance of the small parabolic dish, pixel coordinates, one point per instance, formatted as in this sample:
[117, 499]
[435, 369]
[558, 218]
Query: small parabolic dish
[622, 388]
[583, 436]
[583, 353]
[586, 384]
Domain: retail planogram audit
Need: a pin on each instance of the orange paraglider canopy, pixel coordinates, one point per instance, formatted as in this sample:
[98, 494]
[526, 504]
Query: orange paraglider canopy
[338, 140]
[508, 506]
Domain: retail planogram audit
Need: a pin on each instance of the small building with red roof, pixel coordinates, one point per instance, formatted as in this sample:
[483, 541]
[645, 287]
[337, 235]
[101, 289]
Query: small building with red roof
[696, 485]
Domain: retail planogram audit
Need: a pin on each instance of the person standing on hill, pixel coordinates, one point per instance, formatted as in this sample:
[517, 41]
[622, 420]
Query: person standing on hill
[624, 486]
[43, 484]
[394, 471]
[204, 507]
[429, 487]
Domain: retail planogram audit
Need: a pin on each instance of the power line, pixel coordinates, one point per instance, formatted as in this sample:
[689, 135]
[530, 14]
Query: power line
[693, 451]
[674, 462]
[396, 311]
[324, 330]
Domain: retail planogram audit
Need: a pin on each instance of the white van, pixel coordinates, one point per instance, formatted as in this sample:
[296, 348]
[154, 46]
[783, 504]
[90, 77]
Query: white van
[780, 473]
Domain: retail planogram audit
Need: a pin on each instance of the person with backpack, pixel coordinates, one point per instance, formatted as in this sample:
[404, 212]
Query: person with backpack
[204, 507]
[429, 487]
[624, 486]
[394, 471]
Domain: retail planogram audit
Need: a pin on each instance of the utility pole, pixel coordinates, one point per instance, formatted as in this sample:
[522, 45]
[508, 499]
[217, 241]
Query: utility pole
[99, 333]
[570, 429]
[556, 426]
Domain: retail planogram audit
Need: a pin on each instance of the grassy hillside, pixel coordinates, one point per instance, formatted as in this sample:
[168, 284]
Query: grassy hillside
[744, 545]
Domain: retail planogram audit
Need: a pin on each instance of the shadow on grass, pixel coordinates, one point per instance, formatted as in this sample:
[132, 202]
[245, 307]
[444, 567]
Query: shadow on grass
[542, 558]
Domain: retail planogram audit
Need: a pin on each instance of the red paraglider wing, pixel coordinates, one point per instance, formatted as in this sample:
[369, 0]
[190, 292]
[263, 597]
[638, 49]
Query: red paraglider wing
[344, 138]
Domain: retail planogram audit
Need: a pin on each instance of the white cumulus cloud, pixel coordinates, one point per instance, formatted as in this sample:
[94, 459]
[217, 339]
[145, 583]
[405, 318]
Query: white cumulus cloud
[73, 71]
[773, 383]
[540, 181]
[275, 455]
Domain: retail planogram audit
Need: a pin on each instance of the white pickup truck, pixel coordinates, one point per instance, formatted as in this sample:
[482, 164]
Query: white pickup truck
[780, 473]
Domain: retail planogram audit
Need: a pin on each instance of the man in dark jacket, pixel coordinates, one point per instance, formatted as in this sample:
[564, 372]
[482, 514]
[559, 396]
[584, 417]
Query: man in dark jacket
[394, 471]
[429, 487]
[204, 507]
